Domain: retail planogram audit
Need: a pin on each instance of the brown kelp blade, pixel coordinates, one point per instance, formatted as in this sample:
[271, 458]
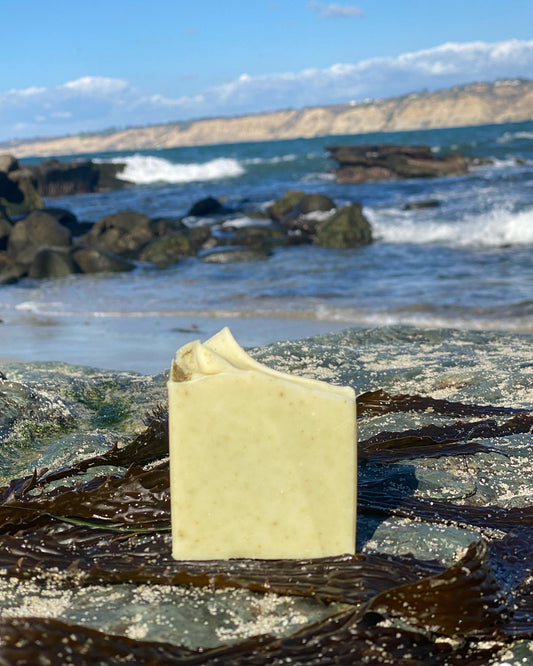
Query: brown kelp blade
[379, 401]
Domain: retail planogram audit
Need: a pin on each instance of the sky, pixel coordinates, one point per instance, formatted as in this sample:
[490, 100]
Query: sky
[71, 67]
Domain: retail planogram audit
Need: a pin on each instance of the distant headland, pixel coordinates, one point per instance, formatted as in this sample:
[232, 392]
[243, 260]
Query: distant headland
[461, 106]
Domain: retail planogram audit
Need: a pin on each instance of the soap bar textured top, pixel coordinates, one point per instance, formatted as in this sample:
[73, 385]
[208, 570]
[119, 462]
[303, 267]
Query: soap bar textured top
[262, 463]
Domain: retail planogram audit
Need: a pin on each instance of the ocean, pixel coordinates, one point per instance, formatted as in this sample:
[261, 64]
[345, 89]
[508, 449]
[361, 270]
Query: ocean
[463, 264]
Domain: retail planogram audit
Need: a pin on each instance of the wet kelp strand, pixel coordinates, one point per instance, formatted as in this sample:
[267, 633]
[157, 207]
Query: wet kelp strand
[83, 525]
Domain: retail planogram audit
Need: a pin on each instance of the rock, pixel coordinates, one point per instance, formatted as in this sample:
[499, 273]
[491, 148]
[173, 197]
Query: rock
[9, 163]
[228, 253]
[359, 164]
[311, 203]
[5, 232]
[199, 237]
[10, 270]
[252, 235]
[124, 233]
[69, 220]
[17, 191]
[91, 260]
[207, 206]
[280, 209]
[34, 232]
[166, 251]
[347, 227]
[416, 205]
[55, 178]
[52, 263]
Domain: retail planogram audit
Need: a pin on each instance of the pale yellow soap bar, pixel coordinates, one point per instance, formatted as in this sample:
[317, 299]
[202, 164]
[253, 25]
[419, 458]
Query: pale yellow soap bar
[262, 463]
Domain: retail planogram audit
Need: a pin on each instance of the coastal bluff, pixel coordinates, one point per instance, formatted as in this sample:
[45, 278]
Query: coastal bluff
[501, 101]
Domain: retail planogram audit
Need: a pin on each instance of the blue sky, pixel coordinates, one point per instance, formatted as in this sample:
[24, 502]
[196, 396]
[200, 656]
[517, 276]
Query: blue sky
[70, 67]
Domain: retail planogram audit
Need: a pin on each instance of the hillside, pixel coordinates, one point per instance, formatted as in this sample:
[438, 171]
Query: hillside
[473, 104]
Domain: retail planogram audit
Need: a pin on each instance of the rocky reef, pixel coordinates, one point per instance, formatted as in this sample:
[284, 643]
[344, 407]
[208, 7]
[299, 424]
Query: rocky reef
[361, 163]
[22, 188]
[51, 242]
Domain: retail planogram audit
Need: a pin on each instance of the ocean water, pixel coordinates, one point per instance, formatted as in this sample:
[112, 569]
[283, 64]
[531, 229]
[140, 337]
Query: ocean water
[466, 263]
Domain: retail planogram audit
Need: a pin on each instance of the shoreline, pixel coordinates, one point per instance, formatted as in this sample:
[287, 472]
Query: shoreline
[146, 344]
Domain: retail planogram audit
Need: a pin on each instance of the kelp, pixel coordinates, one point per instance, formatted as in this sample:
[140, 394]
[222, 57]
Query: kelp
[113, 528]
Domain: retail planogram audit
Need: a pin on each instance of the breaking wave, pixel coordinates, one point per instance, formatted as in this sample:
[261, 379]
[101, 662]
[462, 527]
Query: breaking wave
[146, 169]
[497, 228]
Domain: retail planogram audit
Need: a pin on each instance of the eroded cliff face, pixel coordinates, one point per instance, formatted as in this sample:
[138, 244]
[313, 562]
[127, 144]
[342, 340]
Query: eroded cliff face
[474, 104]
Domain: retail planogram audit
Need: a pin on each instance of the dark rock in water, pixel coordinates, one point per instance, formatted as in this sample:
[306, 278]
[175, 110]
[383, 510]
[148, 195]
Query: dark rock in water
[207, 206]
[91, 260]
[10, 270]
[294, 211]
[358, 164]
[55, 178]
[5, 231]
[200, 237]
[427, 203]
[347, 227]
[17, 188]
[167, 251]
[124, 233]
[69, 220]
[52, 263]
[228, 253]
[252, 235]
[281, 209]
[37, 230]
[311, 203]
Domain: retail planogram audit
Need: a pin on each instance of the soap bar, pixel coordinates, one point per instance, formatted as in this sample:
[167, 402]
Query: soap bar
[262, 463]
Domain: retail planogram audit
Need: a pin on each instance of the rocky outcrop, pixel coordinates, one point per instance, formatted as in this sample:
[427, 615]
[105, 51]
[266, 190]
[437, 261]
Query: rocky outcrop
[346, 228]
[474, 104]
[48, 243]
[54, 178]
[36, 231]
[358, 164]
[18, 194]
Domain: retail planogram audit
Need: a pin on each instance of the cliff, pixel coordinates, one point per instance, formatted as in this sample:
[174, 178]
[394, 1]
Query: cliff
[473, 104]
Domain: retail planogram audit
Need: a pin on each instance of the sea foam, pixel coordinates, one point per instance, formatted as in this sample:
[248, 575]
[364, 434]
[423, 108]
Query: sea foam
[498, 227]
[146, 169]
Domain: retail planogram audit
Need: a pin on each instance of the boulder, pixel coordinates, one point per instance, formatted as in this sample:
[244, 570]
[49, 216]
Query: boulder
[54, 178]
[52, 263]
[9, 163]
[166, 251]
[199, 237]
[124, 233]
[36, 231]
[229, 253]
[345, 228]
[362, 163]
[424, 203]
[69, 220]
[17, 190]
[312, 203]
[285, 205]
[10, 270]
[5, 232]
[91, 260]
[207, 206]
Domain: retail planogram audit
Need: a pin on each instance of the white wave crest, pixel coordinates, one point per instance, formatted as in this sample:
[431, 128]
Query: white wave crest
[507, 137]
[497, 228]
[146, 169]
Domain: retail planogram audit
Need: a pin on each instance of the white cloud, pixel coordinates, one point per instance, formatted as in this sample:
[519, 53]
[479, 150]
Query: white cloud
[96, 85]
[334, 10]
[97, 102]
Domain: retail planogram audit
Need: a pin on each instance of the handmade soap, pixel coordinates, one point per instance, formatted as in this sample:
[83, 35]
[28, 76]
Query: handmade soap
[262, 463]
